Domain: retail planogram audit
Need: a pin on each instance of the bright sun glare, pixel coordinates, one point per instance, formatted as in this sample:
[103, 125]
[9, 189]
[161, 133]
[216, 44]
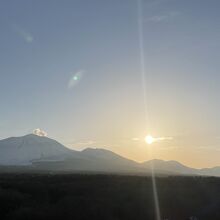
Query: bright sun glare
[149, 139]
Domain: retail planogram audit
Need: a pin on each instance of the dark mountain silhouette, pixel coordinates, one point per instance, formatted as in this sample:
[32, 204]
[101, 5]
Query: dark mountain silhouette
[42, 153]
[169, 166]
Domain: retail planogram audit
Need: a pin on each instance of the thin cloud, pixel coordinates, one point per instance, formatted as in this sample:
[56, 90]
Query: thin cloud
[24, 34]
[154, 139]
[164, 138]
[162, 18]
[209, 148]
[135, 139]
[82, 143]
[161, 139]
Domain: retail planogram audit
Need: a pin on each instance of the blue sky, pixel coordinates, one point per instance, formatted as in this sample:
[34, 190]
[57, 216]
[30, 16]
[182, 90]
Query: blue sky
[44, 44]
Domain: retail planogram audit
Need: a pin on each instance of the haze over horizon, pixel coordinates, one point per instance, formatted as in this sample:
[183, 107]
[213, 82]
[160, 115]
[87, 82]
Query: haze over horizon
[72, 69]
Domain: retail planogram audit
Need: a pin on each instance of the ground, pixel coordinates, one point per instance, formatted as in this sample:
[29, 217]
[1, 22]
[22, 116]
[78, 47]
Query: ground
[106, 197]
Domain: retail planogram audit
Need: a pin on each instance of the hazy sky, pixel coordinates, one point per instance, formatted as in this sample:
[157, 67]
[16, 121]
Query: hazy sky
[72, 68]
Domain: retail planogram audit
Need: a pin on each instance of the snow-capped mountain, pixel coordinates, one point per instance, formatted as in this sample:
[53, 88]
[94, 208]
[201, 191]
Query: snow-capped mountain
[42, 153]
[23, 150]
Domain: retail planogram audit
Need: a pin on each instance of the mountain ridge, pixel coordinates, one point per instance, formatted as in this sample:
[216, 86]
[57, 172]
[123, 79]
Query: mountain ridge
[48, 154]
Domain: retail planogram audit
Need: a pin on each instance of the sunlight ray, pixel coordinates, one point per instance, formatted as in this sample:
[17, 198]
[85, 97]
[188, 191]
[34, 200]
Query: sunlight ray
[147, 121]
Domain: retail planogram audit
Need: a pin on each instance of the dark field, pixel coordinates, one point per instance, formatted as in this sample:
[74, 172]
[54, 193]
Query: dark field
[106, 197]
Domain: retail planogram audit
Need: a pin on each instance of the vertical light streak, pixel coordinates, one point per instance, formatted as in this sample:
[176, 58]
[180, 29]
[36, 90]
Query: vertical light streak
[154, 186]
[142, 62]
[147, 121]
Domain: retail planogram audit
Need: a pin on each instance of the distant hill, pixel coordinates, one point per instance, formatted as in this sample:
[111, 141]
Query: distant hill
[32, 152]
[169, 166]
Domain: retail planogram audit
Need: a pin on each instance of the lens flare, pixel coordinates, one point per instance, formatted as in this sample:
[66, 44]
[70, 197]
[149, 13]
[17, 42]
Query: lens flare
[75, 79]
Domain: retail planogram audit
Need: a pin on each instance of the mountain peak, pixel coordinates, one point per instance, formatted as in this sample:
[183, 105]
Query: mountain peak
[99, 152]
[25, 149]
[40, 151]
[33, 136]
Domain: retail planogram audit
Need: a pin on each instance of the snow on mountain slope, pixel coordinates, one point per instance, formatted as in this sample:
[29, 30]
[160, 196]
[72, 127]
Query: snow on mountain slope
[47, 154]
[23, 150]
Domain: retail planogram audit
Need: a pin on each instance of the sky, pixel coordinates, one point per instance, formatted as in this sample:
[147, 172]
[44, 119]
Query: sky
[74, 69]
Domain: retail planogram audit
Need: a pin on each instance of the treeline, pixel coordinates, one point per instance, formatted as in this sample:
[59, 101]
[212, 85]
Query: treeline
[106, 197]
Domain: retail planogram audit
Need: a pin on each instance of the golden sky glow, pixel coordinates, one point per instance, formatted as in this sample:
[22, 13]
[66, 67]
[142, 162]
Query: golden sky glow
[87, 82]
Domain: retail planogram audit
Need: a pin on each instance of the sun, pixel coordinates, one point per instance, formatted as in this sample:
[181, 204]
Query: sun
[149, 139]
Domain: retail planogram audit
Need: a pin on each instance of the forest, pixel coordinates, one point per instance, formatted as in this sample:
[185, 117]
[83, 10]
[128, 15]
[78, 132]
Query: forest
[109, 197]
